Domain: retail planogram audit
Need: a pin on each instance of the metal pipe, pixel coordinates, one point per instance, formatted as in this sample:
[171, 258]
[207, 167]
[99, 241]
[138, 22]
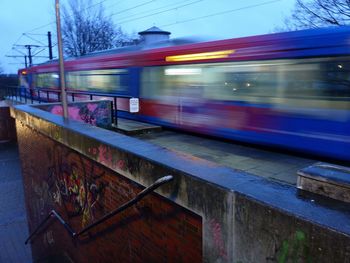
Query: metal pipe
[133, 201]
[126, 205]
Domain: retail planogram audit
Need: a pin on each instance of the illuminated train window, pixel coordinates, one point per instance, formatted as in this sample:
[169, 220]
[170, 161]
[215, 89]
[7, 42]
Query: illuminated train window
[111, 80]
[46, 80]
[321, 82]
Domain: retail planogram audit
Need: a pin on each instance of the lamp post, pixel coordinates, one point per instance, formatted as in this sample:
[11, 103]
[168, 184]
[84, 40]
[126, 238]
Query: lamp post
[61, 60]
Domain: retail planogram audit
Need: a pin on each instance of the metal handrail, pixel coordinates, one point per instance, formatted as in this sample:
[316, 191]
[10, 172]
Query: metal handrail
[18, 92]
[123, 207]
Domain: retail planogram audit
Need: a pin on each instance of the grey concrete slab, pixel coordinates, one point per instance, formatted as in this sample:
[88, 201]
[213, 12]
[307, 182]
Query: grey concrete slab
[272, 165]
[135, 127]
[13, 220]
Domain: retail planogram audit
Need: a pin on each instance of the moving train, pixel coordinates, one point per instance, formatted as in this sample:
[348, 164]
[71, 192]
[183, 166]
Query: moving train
[288, 90]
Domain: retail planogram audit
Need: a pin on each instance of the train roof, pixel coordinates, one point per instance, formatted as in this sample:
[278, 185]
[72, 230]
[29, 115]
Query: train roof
[303, 43]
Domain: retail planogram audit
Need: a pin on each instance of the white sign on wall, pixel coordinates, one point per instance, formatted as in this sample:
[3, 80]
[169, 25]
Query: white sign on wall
[134, 105]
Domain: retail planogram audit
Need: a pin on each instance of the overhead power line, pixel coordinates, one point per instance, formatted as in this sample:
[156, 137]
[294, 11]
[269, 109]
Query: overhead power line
[222, 13]
[32, 38]
[53, 22]
[160, 12]
[133, 7]
[40, 27]
[152, 10]
[34, 34]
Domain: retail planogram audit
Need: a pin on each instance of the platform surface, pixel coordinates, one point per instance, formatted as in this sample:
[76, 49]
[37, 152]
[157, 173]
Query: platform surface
[272, 165]
[132, 127]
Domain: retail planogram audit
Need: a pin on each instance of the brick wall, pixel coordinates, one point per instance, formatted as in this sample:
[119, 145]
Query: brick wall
[7, 124]
[155, 230]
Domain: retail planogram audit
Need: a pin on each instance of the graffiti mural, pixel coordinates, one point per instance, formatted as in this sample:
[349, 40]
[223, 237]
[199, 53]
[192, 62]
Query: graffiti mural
[76, 186]
[94, 113]
[82, 190]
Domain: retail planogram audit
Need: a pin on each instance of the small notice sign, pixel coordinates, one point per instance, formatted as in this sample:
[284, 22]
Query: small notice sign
[134, 105]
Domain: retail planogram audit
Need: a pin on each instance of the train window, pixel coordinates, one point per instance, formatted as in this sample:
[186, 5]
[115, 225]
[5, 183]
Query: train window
[177, 81]
[111, 80]
[46, 80]
[23, 81]
[303, 82]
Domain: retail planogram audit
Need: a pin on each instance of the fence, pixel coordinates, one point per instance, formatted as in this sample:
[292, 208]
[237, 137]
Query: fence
[40, 95]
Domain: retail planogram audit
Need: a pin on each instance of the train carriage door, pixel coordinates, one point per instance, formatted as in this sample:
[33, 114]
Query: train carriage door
[186, 83]
[133, 82]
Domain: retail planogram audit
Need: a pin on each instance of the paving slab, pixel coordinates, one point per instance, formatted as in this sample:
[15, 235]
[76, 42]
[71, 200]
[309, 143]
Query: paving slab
[13, 220]
[277, 166]
[131, 127]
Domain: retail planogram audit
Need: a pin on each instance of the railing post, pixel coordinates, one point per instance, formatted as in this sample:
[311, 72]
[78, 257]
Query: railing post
[47, 95]
[115, 111]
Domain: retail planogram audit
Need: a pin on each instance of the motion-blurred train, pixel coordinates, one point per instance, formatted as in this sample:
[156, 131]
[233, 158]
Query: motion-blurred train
[290, 90]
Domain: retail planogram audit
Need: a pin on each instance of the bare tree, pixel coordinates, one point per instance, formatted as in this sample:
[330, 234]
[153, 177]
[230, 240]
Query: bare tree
[318, 13]
[86, 28]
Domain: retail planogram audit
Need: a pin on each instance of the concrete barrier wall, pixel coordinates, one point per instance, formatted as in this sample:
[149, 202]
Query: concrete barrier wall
[208, 213]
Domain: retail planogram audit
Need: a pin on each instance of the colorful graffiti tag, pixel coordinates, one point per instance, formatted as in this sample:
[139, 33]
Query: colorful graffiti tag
[95, 113]
[76, 186]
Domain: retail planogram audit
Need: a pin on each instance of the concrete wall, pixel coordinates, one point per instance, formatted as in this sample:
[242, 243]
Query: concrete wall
[208, 213]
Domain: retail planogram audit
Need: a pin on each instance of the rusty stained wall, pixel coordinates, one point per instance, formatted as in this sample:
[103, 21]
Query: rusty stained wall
[265, 234]
[156, 230]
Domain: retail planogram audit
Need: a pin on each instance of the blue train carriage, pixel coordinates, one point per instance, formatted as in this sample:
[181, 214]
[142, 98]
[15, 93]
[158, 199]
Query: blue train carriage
[289, 90]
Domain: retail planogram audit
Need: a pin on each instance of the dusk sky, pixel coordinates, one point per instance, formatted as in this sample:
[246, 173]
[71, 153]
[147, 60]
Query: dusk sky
[27, 22]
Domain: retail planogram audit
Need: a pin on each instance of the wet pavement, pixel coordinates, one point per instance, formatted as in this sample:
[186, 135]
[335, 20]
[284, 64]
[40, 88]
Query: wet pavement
[13, 220]
[272, 165]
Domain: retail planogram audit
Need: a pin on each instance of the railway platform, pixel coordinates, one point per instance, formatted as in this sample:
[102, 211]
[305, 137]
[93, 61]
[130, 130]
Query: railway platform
[272, 165]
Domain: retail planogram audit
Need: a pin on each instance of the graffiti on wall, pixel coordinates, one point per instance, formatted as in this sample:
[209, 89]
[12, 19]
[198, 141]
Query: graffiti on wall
[94, 113]
[83, 190]
[105, 155]
[76, 186]
[43, 199]
[218, 238]
[294, 249]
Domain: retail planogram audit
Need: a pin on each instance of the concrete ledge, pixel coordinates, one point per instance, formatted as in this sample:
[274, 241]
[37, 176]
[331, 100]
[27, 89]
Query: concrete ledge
[326, 179]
